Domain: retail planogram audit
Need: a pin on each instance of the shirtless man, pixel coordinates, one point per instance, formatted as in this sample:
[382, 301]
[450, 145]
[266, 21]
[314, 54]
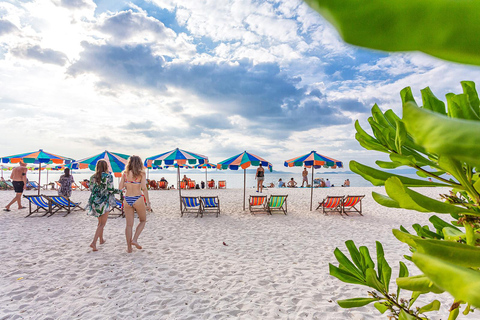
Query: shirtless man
[305, 176]
[19, 180]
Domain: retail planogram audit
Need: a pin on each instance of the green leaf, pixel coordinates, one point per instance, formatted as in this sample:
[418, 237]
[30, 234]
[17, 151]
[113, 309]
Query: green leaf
[431, 102]
[419, 283]
[439, 224]
[344, 276]
[380, 307]
[427, 128]
[380, 118]
[384, 269]
[378, 177]
[432, 306]
[372, 280]
[433, 31]
[405, 237]
[462, 283]
[471, 92]
[367, 258]
[401, 274]
[349, 266]
[453, 314]
[355, 302]
[366, 140]
[355, 254]
[385, 201]
[388, 165]
[459, 107]
[453, 234]
[454, 252]
[405, 316]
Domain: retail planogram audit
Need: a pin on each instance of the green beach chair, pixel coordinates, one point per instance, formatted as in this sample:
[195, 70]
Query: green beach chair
[277, 203]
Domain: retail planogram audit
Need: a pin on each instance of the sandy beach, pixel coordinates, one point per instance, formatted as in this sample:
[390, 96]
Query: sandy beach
[237, 266]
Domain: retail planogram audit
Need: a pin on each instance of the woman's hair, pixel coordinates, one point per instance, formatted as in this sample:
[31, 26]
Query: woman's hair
[135, 166]
[101, 167]
[66, 172]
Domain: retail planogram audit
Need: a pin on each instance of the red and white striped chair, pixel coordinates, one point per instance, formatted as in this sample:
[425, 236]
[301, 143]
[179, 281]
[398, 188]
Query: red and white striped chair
[350, 202]
[331, 204]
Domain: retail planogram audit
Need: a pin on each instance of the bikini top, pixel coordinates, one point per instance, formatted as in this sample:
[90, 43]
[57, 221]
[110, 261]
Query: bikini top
[133, 182]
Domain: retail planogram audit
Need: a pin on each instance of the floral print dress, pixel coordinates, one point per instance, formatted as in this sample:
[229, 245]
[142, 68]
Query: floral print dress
[65, 189]
[102, 197]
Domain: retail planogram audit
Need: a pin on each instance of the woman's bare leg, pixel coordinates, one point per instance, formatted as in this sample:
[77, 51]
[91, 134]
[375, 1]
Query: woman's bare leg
[102, 240]
[142, 216]
[102, 221]
[129, 217]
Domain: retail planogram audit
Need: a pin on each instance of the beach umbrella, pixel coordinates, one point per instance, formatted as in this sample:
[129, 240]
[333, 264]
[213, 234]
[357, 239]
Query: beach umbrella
[313, 160]
[37, 157]
[5, 168]
[176, 157]
[243, 160]
[116, 162]
[206, 166]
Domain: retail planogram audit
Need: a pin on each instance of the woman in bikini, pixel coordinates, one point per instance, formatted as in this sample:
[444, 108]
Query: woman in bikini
[134, 181]
[101, 200]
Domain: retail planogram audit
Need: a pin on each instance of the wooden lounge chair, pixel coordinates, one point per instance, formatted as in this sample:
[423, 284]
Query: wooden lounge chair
[277, 203]
[75, 186]
[211, 184]
[191, 184]
[210, 205]
[331, 204]
[222, 184]
[183, 185]
[43, 205]
[163, 185]
[84, 185]
[32, 185]
[349, 204]
[118, 207]
[63, 203]
[257, 204]
[190, 205]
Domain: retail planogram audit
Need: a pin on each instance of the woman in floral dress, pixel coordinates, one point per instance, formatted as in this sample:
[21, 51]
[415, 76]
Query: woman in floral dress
[65, 181]
[101, 200]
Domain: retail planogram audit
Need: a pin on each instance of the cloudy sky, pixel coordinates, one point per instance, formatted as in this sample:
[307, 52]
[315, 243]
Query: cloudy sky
[215, 77]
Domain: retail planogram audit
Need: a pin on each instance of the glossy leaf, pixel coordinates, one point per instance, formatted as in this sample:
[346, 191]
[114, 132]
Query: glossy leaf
[459, 107]
[355, 254]
[454, 252]
[469, 89]
[428, 129]
[380, 307]
[347, 264]
[462, 283]
[432, 306]
[419, 283]
[453, 234]
[433, 31]
[388, 165]
[439, 224]
[405, 316]
[385, 200]
[372, 280]
[384, 269]
[431, 102]
[355, 302]
[344, 276]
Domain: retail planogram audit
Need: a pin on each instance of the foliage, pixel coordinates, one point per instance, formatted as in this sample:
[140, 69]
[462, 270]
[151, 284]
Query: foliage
[442, 28]
[435, 140]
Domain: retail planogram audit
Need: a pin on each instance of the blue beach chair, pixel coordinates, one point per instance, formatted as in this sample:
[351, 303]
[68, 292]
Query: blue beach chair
[190, 205]
[42, 204]
[33, 185]
[118, 207]
[62, 203]
[210, 205]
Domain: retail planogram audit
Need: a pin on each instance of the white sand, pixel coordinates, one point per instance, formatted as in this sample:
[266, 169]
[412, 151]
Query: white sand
[273, 267]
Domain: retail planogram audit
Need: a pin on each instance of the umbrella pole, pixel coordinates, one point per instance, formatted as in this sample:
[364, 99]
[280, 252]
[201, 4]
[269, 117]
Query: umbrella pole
[39, 176]
[47, 176]
[244, 186]
[311, 191]
[206, 180]
[148, 171]
[179, 189]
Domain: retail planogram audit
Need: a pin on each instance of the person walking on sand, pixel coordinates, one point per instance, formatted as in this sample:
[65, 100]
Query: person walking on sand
[19, 181]
[101, 199]
[260, 176]
[305, 176]
[134, 181]
[66, 180]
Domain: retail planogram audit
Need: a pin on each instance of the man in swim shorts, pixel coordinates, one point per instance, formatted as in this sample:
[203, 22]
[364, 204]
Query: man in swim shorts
[19, 181]
[305, 176]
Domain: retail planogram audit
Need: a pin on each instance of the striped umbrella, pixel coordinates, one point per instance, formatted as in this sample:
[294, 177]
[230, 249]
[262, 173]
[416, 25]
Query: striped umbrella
[243, 160]
[206, 166]
[178, 157]
[313, 160]
[37, 157]
[116, 162]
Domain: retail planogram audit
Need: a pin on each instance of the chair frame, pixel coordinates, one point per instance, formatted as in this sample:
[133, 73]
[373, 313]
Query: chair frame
[338, 208]
[352, 208]
[283, 208]
[185, 185]
[62, 202]
[191, 184]
[33, 185]
[209, 209]
[189, 209]
[219, 183]
[47, 208]
[164, 183]
[258, 207]
[208, 184]
[118, 206]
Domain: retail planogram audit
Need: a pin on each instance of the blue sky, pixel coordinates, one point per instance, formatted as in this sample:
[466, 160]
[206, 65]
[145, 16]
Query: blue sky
[215, 77]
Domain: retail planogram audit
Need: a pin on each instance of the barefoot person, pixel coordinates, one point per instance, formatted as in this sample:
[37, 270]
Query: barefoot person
[19, 181]
[305, 176]
[66, 180]
[260, 176]
[134, 181]
[101, 200]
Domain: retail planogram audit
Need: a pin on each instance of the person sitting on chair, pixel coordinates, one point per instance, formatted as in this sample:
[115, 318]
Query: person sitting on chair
[281, 184]
[292, 183]
[202, 184]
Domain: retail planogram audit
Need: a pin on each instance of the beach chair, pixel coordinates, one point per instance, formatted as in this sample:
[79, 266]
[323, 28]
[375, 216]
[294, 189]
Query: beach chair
[32, 185]
[191, 184]
[9, 185]
[190, 205]
[277, 203]
[75, 186]
[331, 204]
[210, 205]
[211, 184]
[118, 207]
[257, 204]
[3, 185]
[63, 203]
[163, 185]
[183, 185]
[349, 204]
[84, 185]
[42, 205]
[222, 184]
